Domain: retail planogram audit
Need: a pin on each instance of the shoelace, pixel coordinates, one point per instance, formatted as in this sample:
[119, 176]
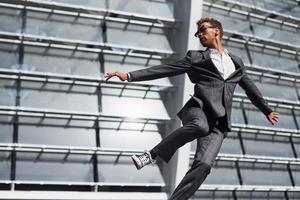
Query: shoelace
[145, 158]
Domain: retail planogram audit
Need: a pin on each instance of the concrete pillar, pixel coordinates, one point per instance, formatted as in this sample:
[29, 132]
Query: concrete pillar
[188, 12]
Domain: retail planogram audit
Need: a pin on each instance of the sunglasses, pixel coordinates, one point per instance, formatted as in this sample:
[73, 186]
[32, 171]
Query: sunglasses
[201, 29]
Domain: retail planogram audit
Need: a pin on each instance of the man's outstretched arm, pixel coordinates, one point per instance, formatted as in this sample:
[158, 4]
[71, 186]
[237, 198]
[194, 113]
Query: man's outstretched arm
[159, 71]
[257, 99]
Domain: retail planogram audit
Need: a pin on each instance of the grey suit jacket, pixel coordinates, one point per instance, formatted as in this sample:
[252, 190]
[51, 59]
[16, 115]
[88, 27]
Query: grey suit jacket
[211, 91]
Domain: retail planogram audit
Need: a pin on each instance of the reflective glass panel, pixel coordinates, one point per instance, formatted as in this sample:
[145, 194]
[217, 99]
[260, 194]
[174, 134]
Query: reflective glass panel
[231, 144]
[88, 3]
[63, 26]
[162, 8]
[54, 167]
[59, 96]
[127, 139]
[5, 163]
[267, 145]
[255, 117]
[116, 105]
[137, 36]
[61, 61]
[8, 92]
[264, 174]
[9, 55]
[11, 19]
[223, 173]
[57, 136]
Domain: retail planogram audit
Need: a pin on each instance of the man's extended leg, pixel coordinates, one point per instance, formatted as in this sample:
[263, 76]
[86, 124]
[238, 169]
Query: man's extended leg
[195, 125]
[207, 150]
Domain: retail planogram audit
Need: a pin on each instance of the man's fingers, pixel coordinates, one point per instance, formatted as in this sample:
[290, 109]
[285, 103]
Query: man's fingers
[108, 75]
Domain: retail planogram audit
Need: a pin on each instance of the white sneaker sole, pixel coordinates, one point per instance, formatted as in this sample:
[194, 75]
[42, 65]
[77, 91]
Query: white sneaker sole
[138, 164]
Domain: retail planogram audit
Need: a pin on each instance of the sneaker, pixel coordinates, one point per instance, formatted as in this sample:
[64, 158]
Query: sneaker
[142, 160]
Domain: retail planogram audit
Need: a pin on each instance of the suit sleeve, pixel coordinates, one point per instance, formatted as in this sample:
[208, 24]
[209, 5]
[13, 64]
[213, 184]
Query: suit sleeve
[254, 94]
[165, 70]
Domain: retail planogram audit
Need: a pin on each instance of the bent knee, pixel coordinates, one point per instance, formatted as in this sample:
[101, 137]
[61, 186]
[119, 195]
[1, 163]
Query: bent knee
[201, 128]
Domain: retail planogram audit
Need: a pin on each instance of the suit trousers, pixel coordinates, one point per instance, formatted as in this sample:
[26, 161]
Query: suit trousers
[209, 134]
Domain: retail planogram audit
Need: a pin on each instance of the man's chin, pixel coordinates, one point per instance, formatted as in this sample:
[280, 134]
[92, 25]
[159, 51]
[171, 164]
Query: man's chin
[203, 44]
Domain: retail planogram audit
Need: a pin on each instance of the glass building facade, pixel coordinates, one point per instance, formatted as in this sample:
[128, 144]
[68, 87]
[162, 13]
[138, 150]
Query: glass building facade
[66, 133]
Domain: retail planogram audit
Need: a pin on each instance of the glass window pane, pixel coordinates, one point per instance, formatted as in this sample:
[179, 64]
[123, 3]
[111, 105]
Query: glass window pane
[7, 92]
[8, 55]
[57, 136]
[128, 139]
[54, 167]
[61, 61]
[124, 106]
[162, 8]
[231, 144]
[253, 26]
[296, 174]
[273, 59]
[269, 88]
[5, 163]
[267, 145]
[120, 125]
[137, 36]
[208, 195]
[59, 96]
[282, 7]
[6, 132]
[256, 117]
[237, 49]
[253, 195]
[260, 56]
[244, 195]
[63, 26]
[57, 122]
[88, 3]
[263, 57]
[237, 116]
[11, 19]
[109, 169]
[264, 174]
[296, 142]
[223, 173]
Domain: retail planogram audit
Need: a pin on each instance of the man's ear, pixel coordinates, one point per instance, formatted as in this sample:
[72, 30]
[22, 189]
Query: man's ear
[217, 32]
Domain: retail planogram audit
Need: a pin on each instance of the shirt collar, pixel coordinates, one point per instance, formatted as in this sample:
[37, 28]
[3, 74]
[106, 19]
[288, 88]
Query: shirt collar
[215, 51]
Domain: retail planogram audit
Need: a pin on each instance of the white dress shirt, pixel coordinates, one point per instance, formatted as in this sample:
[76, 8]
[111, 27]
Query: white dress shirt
[223, 62]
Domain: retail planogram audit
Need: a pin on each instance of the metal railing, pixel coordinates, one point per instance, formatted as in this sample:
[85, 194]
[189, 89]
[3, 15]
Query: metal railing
[255, 159]
[70, 44]
[80, 80]
[89, 12]
[261, 42]
[249, 188]
[255, 12]
[74, 115]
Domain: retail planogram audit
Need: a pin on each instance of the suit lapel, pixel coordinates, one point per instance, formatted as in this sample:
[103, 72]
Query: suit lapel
[237, 65]
[212, 67]
[206, 56]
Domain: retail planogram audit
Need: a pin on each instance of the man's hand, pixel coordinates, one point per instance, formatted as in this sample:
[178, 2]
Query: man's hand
[273, 117]
[121, 75]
